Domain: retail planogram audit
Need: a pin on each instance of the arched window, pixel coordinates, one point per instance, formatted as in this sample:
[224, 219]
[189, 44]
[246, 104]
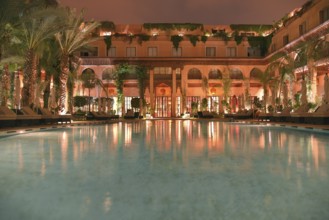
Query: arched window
[236, 74]
[255, 73]
[108, 74]
[215, 74]
[88, 72]
[88, 78]
[194, 73]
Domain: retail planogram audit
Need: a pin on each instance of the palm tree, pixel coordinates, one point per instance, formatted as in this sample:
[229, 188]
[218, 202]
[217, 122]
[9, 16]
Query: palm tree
[76, 35]
[285, 65]
[266, 78]
[308, 53]
[36, 28]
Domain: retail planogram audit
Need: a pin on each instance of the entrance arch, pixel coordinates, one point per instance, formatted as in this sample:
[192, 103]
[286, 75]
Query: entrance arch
[162, 100]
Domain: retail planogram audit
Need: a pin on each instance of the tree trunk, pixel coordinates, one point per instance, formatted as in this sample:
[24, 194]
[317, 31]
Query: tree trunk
[29, 79]
[46, 92]
[312, 77]
[63, 82]
[70, 87]
[5, 81]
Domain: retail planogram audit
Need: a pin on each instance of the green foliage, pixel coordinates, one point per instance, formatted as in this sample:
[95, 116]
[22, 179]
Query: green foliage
[297, 100]
[251, 28]
[119, 75]
[238, 38]
[80, 101]
[222, 34]
[141, 72]
[194, 107]
[108, 42]
[193, 39]
[257, 102]
[262, 42]
[204, 104]
[142, 38]
[135, 103]
[176, 39]
[204, 38]
[226, 86]
[270, 108]
[172, 26]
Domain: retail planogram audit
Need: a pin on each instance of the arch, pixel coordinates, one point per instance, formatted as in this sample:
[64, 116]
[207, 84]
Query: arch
[236, 74]
[215, 74]
[88, 77]
[88, 71]
[255, 73]
[194, 73]
[108, 74]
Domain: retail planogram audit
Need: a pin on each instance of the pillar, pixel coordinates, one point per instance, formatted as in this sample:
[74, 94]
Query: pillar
[152, 91]
[173, 94]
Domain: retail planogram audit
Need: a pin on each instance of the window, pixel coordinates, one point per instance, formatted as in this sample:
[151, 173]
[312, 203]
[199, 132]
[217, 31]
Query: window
[210, 51]
[92, 52]
[131, 51]
[285, 40]
[162, 70]
[215, 74]
[324, 15]
[302, 28]
[231, 52]
[112, 52]
[177, 52]
[194, 73]
[152, 51]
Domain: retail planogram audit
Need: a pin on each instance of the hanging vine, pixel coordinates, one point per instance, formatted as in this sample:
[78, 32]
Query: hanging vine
[108, 42]
[204, 38]
[193, 39]
[176, 39]
[119, 75]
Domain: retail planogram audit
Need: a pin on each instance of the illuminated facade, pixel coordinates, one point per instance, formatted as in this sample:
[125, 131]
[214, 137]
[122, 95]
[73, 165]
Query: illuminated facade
[189, 62]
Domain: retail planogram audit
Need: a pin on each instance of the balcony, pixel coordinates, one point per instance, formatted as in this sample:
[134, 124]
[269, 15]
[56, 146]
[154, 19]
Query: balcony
[96, 61]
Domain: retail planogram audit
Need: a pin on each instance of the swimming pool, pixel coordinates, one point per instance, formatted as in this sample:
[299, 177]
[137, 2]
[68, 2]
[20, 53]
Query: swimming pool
[165, 169]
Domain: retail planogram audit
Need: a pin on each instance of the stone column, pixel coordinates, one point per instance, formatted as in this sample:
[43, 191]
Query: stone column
[152, 91]
[173, 94]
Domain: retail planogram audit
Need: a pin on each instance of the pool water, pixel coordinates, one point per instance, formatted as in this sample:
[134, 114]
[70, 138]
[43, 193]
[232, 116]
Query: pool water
[165, 169]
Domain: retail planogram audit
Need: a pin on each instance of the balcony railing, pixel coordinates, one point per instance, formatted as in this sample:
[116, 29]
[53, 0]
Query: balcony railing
[96, 61]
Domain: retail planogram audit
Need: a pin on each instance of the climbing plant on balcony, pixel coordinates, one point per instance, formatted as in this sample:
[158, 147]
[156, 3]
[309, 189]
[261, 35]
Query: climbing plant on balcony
[204, 38]
[222, 34]
[176, 39]
[262, 42]
[108, 42]
[119, 75]
[251, 28]
[193, 39]
[237, 37]
[142, 38]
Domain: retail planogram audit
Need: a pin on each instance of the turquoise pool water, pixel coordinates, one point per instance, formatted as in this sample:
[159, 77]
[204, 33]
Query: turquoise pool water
[170, 169]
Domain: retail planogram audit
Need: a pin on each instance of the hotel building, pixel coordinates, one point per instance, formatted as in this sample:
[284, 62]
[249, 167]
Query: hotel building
[189, 63]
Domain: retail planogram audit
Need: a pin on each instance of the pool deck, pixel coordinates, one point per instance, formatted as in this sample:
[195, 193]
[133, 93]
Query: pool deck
[26, 129]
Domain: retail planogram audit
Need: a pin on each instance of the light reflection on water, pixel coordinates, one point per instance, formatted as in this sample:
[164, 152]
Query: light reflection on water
[165, 170]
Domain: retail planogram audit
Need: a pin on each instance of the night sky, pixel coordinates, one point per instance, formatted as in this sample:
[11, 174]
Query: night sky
[181, 11]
